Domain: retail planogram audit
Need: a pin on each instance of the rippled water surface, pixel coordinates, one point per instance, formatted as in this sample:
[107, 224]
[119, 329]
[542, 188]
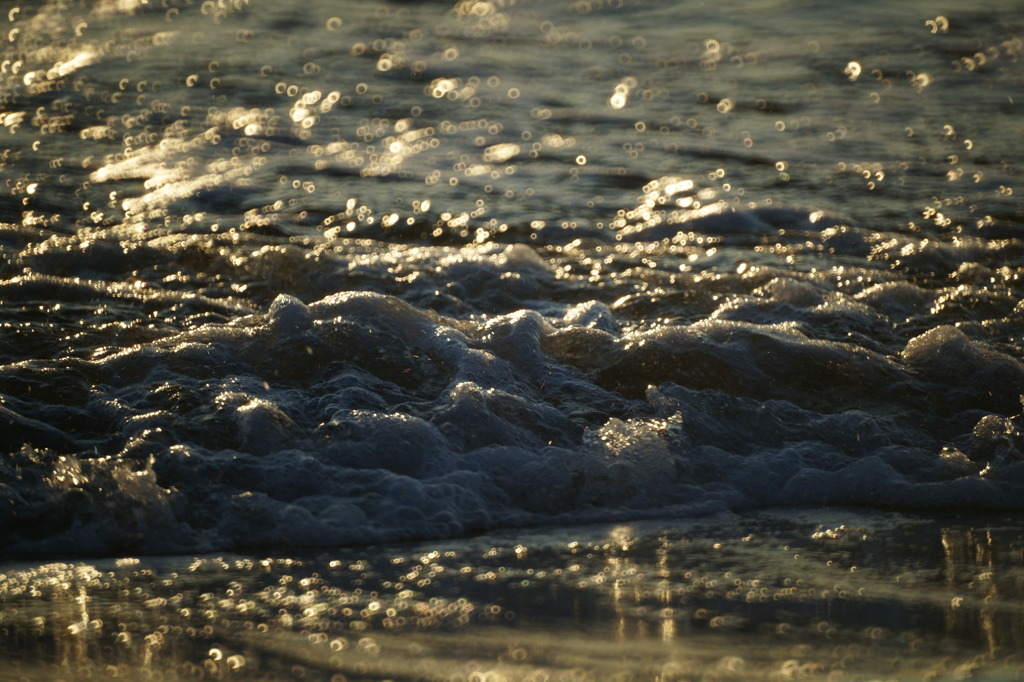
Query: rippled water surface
[772, 596]
[282, 275]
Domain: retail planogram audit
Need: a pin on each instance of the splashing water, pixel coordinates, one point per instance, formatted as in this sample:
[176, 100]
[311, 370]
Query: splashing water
[385, 271]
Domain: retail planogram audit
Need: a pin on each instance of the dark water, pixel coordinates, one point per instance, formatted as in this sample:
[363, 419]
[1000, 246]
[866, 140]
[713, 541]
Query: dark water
[291, 274]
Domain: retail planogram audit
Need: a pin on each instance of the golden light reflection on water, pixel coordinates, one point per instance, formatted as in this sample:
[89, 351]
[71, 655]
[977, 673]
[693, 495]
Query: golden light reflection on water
[465, 126]
[766, 599]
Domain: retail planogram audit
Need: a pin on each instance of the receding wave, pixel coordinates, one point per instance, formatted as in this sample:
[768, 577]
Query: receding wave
[360, 416]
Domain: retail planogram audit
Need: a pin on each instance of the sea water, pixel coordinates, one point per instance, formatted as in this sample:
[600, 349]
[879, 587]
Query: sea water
[777, 595]
[288, 275]
[291, 275]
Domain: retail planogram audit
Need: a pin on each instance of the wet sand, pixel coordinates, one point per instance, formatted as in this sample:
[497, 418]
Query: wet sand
[778, 595]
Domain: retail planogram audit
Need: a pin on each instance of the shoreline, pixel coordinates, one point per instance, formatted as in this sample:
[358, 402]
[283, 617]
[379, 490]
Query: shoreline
[775, 594]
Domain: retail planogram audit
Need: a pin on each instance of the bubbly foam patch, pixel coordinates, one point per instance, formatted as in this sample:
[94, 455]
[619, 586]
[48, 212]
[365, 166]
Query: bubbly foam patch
[359, 418]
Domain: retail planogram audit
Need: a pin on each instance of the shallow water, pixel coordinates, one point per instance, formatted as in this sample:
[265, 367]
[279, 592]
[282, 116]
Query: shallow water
[778, 595]
[384, 271]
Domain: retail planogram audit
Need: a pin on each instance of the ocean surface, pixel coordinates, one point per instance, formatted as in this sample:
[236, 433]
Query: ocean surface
[288, 275]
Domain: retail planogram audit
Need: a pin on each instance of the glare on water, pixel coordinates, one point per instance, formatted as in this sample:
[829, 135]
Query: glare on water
[762, 598]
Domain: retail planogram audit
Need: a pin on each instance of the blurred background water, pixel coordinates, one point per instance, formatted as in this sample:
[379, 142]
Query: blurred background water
[279, 274]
